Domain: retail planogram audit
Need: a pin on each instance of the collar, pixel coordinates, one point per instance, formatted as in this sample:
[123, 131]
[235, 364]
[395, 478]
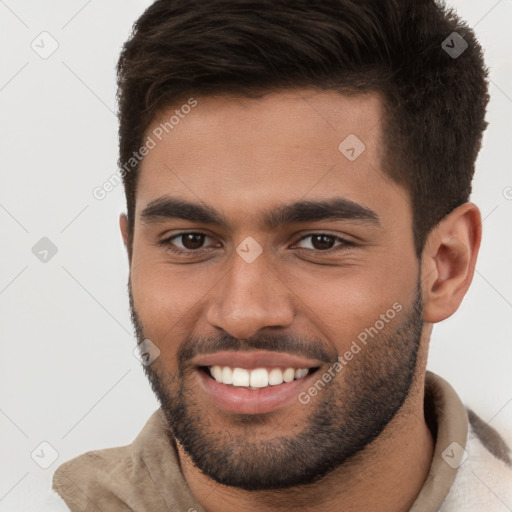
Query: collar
[448, 419]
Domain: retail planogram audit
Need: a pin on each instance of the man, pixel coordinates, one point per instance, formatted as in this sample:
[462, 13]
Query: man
[297, 178]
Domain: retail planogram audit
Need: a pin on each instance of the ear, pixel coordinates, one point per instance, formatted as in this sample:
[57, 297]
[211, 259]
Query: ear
[125, 233]
[448, 261]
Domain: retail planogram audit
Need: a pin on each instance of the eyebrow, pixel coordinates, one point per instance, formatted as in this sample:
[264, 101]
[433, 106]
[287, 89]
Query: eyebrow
[336, 208]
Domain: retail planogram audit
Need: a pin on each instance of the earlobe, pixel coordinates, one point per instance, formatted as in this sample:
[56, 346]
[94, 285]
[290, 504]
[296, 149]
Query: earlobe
[125, 232]
[448, 261]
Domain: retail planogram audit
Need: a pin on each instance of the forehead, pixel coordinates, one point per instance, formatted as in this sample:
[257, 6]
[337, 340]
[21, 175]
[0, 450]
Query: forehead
[242, 154]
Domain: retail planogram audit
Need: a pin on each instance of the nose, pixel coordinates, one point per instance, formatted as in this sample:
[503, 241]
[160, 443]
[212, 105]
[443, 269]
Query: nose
[250, 297]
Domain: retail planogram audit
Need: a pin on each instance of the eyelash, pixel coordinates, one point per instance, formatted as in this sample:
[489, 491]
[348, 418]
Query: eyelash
[167, 243]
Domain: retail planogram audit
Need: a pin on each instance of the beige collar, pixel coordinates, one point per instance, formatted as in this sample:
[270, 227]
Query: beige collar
[451, 420]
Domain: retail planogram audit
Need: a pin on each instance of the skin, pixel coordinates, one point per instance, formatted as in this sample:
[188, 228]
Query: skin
[243, 157]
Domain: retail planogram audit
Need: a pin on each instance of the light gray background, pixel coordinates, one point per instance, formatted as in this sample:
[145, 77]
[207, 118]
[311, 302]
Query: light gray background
[67, 369]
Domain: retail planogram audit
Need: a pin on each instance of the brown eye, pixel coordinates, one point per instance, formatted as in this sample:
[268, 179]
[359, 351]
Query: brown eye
[323, 242]
[192, 240]
[188, 243]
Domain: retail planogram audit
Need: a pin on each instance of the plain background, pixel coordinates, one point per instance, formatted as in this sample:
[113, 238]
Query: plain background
[67, 369]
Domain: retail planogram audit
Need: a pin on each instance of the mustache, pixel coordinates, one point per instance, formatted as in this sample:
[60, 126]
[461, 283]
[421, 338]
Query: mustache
[285, 343]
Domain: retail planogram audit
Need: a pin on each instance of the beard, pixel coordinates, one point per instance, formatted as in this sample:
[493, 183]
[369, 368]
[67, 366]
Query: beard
[346, 416]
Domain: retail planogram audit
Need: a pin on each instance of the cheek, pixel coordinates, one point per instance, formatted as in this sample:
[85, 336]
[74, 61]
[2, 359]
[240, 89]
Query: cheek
[343, 304]
[161, 290]
[168, 301]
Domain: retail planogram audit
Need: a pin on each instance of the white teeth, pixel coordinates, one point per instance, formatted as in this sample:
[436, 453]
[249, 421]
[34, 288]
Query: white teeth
[301, 372]
[288, 374]
[240, 377]
[275, 377]
[257, 378]
[227, 375]
[217, 373]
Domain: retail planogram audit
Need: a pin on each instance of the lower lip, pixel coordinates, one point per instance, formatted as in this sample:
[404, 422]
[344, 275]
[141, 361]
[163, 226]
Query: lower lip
[252, 401]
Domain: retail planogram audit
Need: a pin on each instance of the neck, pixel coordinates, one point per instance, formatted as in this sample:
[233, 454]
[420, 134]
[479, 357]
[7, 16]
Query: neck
[387, 476]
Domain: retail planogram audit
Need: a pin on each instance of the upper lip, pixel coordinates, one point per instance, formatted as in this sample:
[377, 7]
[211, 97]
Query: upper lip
[255, 359]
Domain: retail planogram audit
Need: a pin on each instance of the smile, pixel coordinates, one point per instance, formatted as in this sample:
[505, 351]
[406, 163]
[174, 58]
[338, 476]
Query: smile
[256, 378]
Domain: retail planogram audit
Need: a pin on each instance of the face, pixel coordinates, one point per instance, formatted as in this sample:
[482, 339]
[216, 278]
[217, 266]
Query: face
[273, 266]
